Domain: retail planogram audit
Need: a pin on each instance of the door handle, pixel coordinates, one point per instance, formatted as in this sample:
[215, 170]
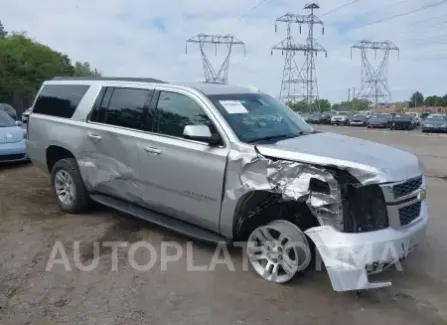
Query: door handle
[94, 136]
[152, 151]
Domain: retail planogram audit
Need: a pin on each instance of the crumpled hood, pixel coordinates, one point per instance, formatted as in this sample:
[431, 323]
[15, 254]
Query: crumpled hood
[11, 134]
[369, 162]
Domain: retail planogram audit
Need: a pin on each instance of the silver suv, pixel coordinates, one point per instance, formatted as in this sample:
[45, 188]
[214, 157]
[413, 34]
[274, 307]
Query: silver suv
[222, 163]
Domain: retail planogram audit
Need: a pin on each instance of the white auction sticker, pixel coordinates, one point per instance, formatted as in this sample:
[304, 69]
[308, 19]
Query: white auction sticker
[233, 106]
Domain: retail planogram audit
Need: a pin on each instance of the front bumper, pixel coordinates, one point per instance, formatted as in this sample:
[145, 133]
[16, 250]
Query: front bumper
[15, 151]
[351, 257]
[355, 123]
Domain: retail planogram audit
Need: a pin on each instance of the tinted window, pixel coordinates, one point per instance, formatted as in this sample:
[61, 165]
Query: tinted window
[175, 111]
[98, 113]
[59, 100]
[126, 107]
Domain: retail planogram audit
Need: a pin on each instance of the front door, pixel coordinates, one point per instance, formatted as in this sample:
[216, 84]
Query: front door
[181, 178]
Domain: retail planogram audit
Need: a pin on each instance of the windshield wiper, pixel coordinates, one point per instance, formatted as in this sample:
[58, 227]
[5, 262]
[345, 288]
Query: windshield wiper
[277, 137]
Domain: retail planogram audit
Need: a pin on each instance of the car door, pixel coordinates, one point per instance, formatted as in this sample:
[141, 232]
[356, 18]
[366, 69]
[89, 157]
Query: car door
[182, 178]
[110, 160]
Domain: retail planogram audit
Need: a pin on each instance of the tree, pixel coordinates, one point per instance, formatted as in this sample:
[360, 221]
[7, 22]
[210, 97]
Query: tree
[357, 104]
[417, 99]
[25, 64]
[444, 101]
[301, 106]
[2, 31]
[433, 101]
[84, 70]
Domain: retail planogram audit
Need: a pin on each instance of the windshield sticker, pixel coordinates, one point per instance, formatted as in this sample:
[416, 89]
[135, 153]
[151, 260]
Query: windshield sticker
[233, 106]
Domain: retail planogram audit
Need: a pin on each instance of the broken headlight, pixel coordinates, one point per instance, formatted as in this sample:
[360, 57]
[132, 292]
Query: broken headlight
[364, 208]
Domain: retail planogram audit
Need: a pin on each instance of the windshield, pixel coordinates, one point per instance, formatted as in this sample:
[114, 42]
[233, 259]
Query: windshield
[6, 120]
[256, 116]
[436, 118]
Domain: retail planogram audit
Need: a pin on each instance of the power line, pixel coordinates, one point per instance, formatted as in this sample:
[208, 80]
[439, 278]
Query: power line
[404, 13]
[340, 7]
[260, 3]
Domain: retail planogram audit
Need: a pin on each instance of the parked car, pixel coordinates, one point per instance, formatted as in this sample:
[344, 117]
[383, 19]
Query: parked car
[378, 121]
[341, 118]
[416, 117]
[435, 123]
[358, 120]
[12, 139]
[186, 157]
[9, 109]
[326, 118]
[402, 122]
[314, 118]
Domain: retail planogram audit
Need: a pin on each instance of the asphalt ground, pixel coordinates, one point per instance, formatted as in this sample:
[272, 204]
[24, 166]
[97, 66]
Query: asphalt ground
[31, 293]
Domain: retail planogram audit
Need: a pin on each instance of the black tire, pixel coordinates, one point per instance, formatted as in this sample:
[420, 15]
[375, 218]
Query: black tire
[81, 200]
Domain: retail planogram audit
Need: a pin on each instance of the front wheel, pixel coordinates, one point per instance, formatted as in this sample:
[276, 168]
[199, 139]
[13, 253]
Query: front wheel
[278, 251]
[68, 186]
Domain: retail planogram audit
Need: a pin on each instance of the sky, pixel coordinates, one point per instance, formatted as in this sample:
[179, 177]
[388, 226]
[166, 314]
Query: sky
[146, 38]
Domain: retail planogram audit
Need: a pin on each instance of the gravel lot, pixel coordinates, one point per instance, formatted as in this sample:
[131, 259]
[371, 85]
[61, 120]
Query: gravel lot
[30, 224]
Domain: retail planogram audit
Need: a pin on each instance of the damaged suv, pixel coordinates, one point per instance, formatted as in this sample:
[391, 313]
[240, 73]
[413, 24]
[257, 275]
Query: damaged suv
[222, 163]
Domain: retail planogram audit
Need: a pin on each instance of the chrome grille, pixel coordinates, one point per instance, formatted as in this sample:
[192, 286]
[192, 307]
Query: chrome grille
[407, 187]
[410, 212]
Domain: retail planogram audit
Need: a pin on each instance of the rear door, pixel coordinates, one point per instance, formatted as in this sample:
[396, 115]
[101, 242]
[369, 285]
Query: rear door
[182, 178]
[110, 161]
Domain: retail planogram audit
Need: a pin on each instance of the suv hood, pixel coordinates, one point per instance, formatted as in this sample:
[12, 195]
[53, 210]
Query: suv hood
[369, 162]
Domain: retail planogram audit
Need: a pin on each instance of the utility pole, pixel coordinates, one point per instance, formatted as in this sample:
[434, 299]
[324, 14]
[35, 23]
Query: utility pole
[211, 76]
[305, 79]
[374, 79]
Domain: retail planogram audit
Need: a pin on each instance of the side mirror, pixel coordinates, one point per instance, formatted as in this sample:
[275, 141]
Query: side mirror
[19, 123]
[201, 133]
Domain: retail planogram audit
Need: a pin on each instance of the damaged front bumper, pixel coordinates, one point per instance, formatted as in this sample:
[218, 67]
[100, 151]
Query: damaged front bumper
[349, 258]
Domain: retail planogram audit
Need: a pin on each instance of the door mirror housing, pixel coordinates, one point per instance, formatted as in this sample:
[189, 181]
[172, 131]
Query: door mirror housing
[201, 133]
[19, 123]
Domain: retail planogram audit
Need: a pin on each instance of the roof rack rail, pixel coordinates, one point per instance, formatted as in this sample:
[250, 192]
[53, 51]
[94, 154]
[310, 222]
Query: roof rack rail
[111, 78]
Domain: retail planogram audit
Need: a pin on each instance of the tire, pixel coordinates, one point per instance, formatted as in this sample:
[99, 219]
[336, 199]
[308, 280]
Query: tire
[80, 199]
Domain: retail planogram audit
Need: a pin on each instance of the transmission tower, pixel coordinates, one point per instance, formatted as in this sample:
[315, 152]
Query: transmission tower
[300, 84]
[374, 82]
[227, 40]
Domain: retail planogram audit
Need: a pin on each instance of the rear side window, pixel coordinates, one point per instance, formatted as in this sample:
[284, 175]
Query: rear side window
[59, 100]
[125, 107]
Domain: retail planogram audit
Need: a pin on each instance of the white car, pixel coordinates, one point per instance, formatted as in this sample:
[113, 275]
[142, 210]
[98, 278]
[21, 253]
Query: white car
[340, 119]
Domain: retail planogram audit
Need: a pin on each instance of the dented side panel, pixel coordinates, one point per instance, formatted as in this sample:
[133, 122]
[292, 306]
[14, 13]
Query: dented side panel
[111, 165]
[250, 171]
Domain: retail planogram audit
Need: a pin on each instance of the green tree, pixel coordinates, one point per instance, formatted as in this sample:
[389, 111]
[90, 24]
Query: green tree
[433, 101]
[25, 64]
[85, 70]
[444, 101]
[417, 99]
[325, 105]
[2, 30]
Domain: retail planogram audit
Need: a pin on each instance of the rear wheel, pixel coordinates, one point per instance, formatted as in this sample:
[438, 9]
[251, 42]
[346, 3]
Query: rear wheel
[68, 186]
[278, 251]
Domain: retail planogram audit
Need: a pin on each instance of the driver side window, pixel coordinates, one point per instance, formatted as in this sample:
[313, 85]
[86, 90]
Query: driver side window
[175, 111]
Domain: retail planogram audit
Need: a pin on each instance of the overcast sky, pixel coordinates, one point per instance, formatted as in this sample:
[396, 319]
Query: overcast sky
[146, 38]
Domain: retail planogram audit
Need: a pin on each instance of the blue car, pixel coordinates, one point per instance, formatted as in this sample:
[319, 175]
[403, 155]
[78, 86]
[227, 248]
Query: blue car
[12, 140]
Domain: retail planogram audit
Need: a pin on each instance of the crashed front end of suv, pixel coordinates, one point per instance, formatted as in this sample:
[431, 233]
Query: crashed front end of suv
[370, 208]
